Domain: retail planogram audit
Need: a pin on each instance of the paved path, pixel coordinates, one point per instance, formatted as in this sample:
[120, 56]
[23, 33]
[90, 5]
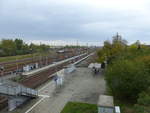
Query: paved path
[79, 86]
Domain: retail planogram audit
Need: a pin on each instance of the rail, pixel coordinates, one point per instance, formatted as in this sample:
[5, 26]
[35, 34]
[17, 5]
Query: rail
[52, 65]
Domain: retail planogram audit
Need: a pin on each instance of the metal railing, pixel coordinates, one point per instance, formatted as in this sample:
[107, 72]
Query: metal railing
[14, 89]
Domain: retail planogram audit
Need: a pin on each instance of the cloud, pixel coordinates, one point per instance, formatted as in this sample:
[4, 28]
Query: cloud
[63, 43]
[71, 20]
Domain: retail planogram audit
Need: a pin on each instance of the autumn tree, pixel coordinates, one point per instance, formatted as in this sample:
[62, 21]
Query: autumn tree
[111, 50]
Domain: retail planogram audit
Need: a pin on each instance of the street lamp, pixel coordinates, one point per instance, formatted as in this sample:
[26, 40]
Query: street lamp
[32, 54]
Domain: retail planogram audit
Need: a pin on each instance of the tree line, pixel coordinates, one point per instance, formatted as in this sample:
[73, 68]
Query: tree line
[10, 47]
[128, 72]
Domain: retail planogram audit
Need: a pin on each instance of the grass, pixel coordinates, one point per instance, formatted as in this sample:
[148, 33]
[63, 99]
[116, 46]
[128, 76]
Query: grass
[77, 107]
[11, 58]
[18, 57]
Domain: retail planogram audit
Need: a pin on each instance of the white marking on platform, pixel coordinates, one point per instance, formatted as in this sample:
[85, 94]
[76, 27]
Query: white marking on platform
[35, 105]
[46, 96]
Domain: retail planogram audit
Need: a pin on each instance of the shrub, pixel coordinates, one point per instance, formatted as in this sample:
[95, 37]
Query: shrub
[127, 79]
[145, 60]
[141, 109]
[143, 102]
[144, 99]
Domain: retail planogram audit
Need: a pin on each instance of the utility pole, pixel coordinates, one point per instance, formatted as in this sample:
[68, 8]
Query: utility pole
[77, 43]
[31, 56]
[17, 64]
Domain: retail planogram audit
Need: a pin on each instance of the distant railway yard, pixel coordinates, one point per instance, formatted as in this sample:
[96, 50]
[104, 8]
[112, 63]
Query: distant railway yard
[34, 72]
[33, 61]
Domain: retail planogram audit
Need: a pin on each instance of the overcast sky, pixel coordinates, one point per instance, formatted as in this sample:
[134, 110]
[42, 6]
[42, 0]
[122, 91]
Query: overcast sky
[69, 21]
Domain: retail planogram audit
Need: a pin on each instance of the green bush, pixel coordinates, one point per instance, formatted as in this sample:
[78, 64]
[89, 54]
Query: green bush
[143, 102]
[127, 79]
[141, 109]
[144, 99]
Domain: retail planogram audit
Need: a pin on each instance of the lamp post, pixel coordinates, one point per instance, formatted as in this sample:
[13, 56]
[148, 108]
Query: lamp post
[41, 60]
[32, 54]
[17, 64]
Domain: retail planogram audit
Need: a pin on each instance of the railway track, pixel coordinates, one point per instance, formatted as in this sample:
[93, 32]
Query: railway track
[15, 66]
[39, 78]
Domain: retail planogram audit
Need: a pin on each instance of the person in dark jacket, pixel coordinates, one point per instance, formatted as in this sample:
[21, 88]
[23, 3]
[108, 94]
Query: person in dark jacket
[103, 65]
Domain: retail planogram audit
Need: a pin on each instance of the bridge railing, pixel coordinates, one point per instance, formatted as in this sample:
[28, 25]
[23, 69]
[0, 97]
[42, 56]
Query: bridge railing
[14, 89]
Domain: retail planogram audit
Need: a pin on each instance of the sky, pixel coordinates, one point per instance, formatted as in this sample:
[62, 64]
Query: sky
[61, 22]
